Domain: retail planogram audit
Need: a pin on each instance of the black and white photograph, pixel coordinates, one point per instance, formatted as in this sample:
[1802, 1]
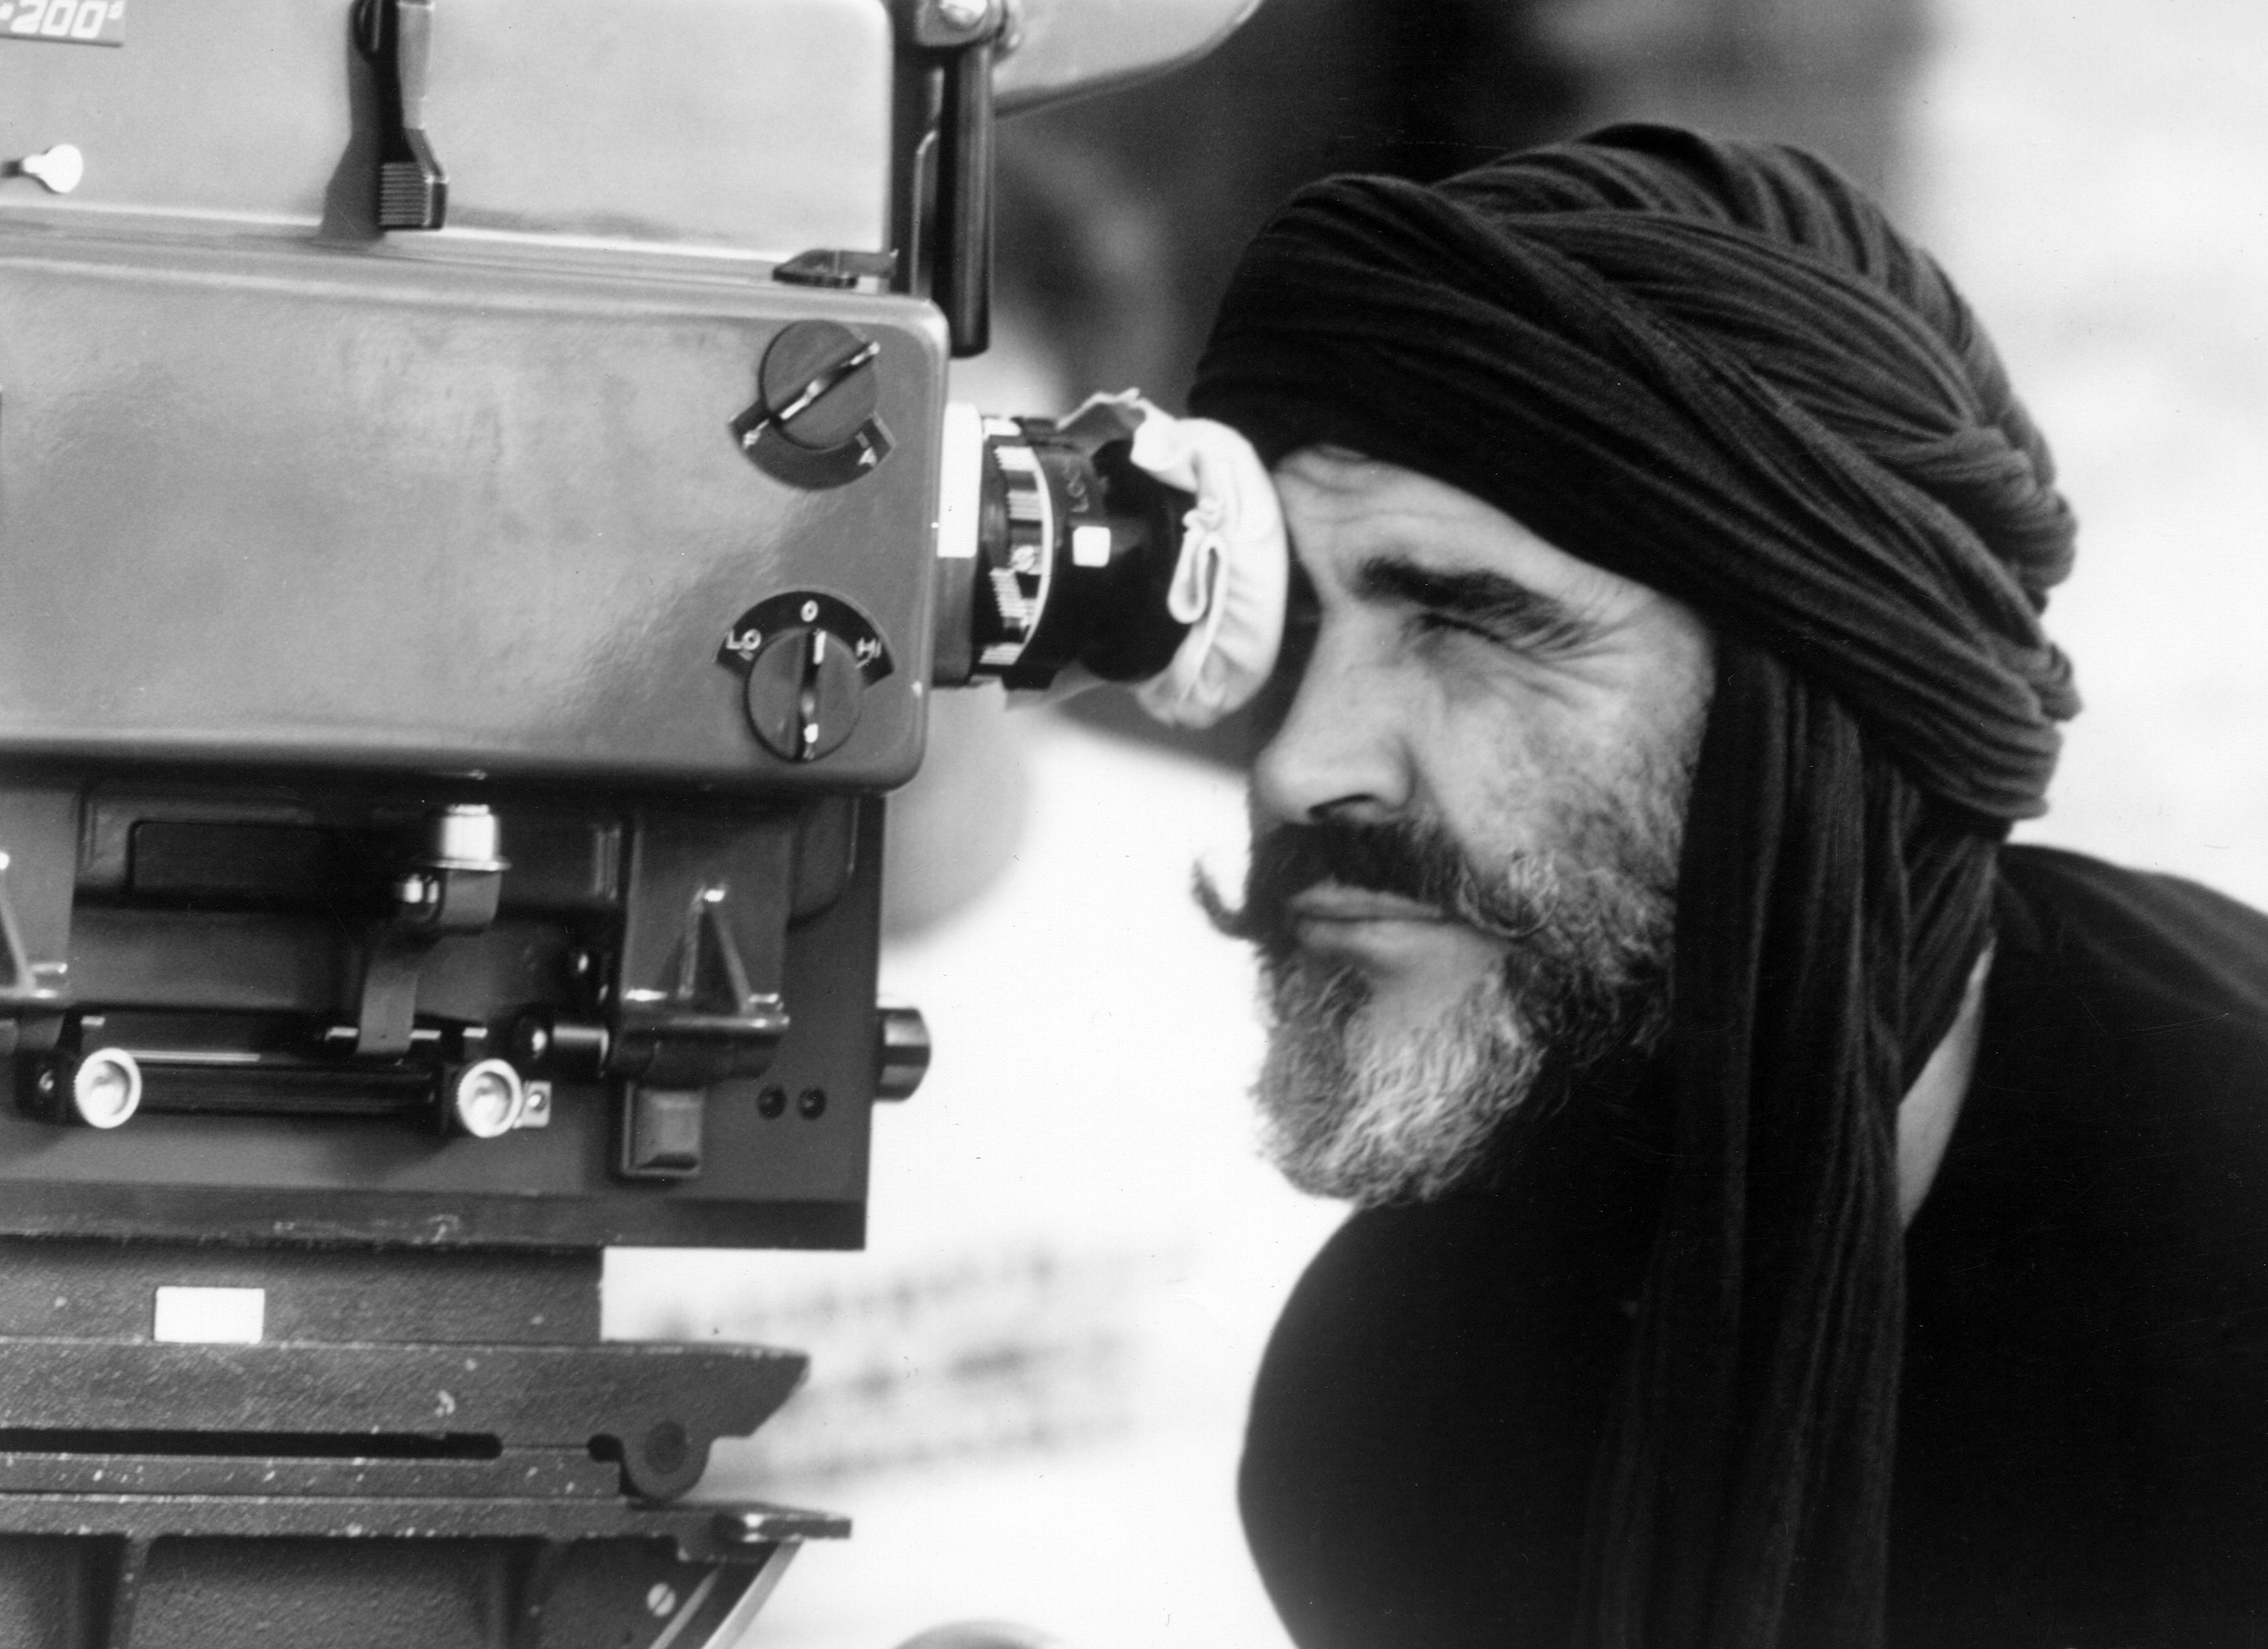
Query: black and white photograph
[1133, 824]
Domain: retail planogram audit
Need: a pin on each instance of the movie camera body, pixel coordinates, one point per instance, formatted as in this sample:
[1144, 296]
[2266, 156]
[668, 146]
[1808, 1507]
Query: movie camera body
[480, 517]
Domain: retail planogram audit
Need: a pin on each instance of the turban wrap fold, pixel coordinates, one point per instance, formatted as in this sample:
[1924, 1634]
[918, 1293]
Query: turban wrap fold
[1716, 369]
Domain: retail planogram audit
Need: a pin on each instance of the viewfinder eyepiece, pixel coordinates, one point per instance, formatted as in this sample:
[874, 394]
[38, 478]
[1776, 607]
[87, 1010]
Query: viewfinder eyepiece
[1055, 549]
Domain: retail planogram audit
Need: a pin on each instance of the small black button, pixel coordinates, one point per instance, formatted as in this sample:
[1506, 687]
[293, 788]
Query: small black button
[661, 1133]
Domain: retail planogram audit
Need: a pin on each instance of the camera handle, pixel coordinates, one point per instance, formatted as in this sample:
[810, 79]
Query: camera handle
[961, 283]
[946, 114]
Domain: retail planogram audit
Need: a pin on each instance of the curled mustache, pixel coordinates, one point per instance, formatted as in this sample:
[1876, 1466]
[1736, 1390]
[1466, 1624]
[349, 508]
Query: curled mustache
[1400, 857]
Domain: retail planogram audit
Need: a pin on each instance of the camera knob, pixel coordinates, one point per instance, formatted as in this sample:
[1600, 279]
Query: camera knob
[813, 423]
[818, 382]
[808, 657]
[803, 692]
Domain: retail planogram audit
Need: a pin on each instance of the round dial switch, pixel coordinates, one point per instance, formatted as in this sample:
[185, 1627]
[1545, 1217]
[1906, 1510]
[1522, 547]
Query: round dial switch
[813, 423]
[803, 693]
[809, 658]
[818, 382]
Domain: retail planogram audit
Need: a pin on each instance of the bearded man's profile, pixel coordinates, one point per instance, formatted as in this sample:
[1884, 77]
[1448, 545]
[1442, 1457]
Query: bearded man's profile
[1786, 1214]
[1372, 1107]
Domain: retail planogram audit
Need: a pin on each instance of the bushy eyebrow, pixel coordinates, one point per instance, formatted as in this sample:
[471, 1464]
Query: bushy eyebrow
[1487, 600]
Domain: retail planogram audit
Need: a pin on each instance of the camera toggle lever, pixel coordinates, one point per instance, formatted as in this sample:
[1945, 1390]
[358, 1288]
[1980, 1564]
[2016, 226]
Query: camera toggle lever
[25, 981]
[396, 37]
[697, 989]
[59, 170]
[451, 886]
[837, 269]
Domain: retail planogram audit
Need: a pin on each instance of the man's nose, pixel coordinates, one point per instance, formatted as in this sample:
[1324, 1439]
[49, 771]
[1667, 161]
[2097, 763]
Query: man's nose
[1340, 753]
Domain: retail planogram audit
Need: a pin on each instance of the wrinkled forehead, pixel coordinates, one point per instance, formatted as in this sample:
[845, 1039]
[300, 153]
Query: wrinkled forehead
[1366, 529]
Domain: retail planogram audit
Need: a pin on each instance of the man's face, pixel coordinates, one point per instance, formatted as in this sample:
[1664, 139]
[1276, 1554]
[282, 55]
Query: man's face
[1466, 831]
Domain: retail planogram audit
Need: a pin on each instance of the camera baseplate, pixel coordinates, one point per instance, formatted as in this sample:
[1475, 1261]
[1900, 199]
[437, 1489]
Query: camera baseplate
[443, 1435]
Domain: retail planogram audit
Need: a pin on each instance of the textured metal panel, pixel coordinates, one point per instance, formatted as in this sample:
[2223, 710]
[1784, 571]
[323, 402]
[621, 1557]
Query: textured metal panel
[523, 1474]
[552, 1395]
[693, 1526]
[49, 1289]
[52, 1592]
[201, 1594]
[272, 504]
[180, 1214]
[757, 124]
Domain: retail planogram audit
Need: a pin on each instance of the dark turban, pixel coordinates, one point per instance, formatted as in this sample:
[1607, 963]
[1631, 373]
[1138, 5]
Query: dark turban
[1716, 369]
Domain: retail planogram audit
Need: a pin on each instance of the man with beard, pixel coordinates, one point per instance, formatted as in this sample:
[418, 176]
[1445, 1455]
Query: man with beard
[1787, 1216]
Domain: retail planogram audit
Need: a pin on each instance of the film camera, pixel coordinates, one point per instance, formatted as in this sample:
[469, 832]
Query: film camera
[480, 517]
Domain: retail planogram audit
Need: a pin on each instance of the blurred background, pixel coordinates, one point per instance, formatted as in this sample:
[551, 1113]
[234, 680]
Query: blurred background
[1028, 1392]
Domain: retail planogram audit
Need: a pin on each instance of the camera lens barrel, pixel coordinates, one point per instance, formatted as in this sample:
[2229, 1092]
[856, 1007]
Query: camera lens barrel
[1056, 549]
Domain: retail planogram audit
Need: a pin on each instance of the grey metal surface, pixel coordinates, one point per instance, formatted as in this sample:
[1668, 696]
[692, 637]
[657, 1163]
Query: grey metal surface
[760, 125]
[660, 1407]
[92, 1377]
[521, 1474]
[104, 1291]
[260, 501]
[691, 1527]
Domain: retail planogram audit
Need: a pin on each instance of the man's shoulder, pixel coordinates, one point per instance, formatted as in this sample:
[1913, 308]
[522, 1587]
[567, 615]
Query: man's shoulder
[2123, 1084]
[2137, 951]
[2081, 1433]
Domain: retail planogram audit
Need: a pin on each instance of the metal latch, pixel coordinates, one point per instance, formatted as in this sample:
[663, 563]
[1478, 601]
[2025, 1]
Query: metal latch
[396, 37]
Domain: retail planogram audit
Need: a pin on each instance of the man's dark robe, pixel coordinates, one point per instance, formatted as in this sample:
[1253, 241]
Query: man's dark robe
[2083, 1425]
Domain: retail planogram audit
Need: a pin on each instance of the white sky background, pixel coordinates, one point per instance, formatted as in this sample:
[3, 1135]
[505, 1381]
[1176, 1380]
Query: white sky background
[2096, 174]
